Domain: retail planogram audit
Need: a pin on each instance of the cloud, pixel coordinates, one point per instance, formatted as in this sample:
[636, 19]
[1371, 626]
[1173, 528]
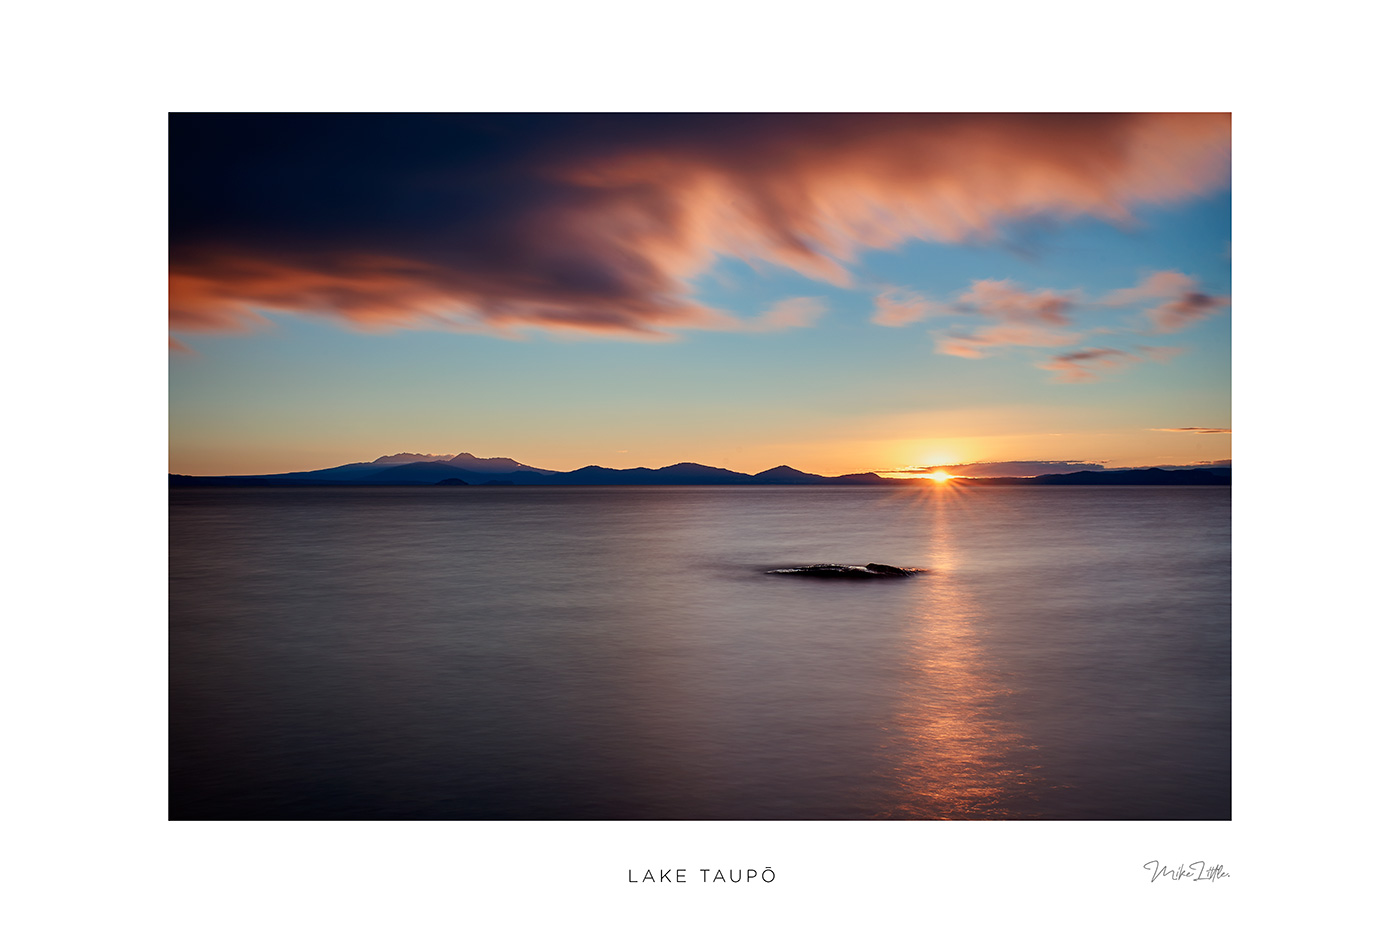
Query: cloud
[789, 313]
[1092, 363]
[1087, 365]
[972, 346]
[896, 307]
[1195, 430]
[598, 223]
[1036, 467]
[1001, 300]
[1154, 285]
[1006, 468]
[1198, 465]
[1022, 319]
[1186, 303]
[1008, 301]
[1161, 354]
[1184, 311]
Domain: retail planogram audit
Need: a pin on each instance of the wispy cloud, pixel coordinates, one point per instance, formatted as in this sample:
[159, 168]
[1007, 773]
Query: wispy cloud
[1039, 467]
[974, 346]
[1179, 313]
[1197, 465]
[599, 223]
[897, 307]
[1185, 305]
[1194, 430]
[789, 313]
[1160, 354]
[1016, 317]
[1153, 285]
[1088, 365]
[1007, 301]
[1003, 468]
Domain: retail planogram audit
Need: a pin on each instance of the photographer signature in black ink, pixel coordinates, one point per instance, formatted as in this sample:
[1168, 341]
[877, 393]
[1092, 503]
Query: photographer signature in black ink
[1196, 871]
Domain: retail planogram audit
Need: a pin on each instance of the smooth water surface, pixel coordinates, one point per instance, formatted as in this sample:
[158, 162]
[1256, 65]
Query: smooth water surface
[618, 653]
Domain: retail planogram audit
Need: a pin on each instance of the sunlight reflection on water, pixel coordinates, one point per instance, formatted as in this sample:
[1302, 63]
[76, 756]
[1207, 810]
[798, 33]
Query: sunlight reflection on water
[956, 746]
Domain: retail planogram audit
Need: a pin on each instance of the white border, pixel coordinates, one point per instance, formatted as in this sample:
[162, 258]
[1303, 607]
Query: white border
[86, 685]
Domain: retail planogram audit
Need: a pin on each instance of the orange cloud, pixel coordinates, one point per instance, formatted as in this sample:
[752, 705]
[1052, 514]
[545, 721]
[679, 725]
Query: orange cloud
[1187, 304]
[1161, 354]
[1024, 319]
[598, 223]
[1092, 363]
[972, 345]
[789, 313]
[1154, 285]
[1184, 311]
[1004, 299]
[896, 307]
[1088, 365]
[381, 293]
[1005, 468]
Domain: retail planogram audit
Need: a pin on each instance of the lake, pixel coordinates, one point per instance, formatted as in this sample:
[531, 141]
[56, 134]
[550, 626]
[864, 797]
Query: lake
[619, 653]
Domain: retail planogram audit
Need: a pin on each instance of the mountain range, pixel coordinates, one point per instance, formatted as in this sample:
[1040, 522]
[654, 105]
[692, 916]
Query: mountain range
[408, 469]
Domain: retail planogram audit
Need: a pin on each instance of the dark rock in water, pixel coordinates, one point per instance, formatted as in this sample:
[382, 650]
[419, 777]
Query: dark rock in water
[890, 571]
[851, 571]
[452, 481]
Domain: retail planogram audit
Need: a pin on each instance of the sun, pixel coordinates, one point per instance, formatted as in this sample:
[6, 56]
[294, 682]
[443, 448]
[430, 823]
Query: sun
[941, 476]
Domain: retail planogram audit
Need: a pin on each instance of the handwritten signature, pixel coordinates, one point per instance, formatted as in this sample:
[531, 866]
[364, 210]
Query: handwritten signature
[1196, 871]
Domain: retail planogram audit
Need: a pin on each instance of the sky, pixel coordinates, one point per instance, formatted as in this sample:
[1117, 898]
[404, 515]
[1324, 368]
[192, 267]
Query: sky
[997, 294]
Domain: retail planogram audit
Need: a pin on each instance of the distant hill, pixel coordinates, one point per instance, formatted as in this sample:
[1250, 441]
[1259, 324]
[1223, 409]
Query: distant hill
[466, 461]
[678, 474]
[392, 459]
[786, 474]
[1152, 476]
[396, 470]
[431, 471]
[1148, 477]
[402, 469]
[463, 461]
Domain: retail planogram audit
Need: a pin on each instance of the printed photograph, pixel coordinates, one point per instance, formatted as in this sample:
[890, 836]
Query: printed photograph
[700, 466]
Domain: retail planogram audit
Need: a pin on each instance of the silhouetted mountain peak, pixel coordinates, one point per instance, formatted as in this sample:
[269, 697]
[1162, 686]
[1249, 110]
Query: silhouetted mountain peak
[786, 474]
[783, 470]
[411, 458]
[689, 467]
[466, 461]
[418, 471]
[463, 461]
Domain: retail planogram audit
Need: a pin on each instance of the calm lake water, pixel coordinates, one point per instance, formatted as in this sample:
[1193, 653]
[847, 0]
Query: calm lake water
[618, 653]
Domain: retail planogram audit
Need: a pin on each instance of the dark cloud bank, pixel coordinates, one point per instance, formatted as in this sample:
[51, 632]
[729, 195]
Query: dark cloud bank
[596, 223]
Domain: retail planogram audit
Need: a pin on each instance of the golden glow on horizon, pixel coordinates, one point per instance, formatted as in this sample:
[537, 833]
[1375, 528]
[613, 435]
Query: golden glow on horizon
[201, 450]
[941, 476]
